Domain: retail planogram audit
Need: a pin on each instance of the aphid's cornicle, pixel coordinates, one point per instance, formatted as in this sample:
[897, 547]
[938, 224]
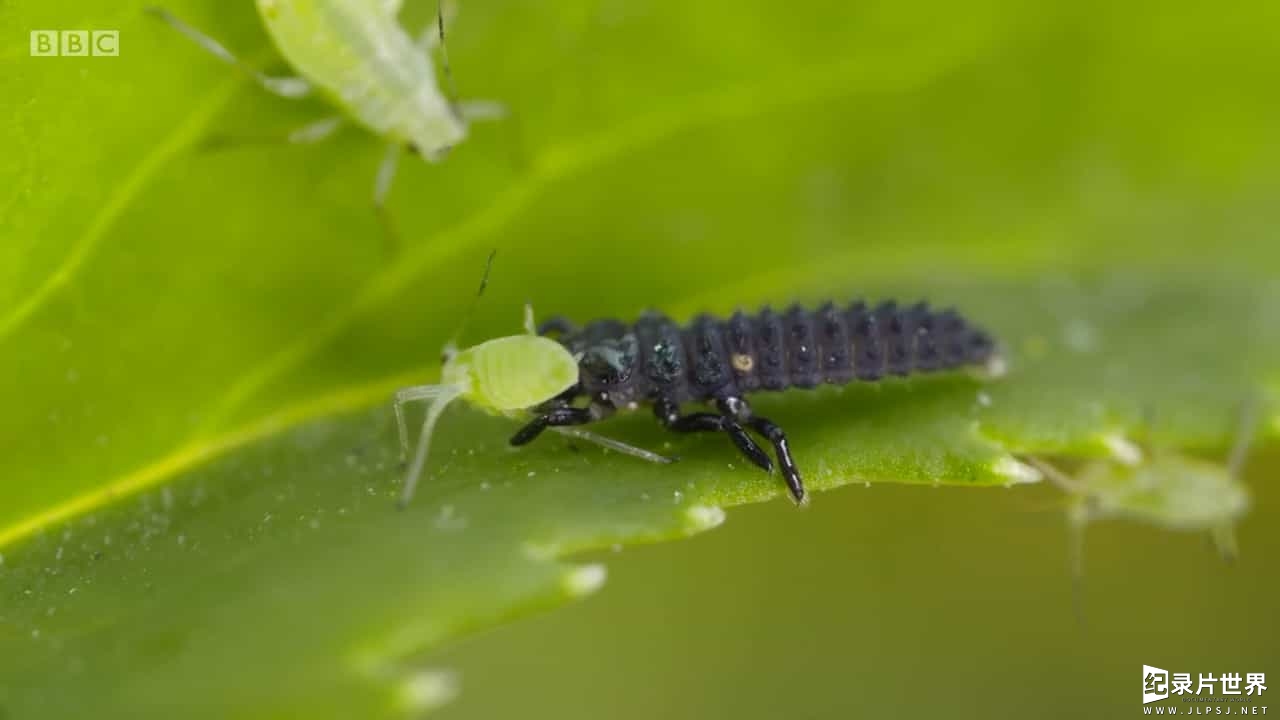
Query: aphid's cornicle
[657, 361]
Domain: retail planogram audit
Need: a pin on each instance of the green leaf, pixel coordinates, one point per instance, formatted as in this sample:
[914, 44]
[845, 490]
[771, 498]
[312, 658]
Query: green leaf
[197, 346]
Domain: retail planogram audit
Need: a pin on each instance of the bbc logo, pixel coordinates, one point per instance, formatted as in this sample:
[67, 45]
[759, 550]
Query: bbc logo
[75, 43]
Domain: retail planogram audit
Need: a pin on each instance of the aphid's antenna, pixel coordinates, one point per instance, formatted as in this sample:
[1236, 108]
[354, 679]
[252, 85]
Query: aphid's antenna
[444, 57]
[451, 347]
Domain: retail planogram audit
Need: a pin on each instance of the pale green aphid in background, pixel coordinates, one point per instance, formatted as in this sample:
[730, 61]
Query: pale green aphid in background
[1164, 488]
[355, 54]
[505, 376]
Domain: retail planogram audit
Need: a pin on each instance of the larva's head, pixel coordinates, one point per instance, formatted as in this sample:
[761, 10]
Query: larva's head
[511, 373]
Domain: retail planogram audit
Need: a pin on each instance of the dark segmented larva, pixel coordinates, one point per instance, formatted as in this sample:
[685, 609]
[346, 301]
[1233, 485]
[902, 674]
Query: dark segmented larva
[719, 361]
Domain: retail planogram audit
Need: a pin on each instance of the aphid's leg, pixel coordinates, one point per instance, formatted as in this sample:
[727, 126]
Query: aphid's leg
[556, 417]
[558, 324]
[286, 87]
[1077, 522]
[612, 444]
[308, 134]
[1244, 436]
[1223, 538]
[382, 188]
[386, 174]
[407, 395]
[472, 110]
[441, 396]
[1056, 476]
[317, 131]
[668, 413]
[562, 401]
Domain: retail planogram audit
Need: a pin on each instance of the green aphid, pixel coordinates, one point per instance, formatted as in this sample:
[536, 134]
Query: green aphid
[505, 376]
[1160, 487]
[356, 55]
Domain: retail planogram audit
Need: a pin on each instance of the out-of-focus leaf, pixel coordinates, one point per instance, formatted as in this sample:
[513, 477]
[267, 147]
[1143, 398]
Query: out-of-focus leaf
[197, 346]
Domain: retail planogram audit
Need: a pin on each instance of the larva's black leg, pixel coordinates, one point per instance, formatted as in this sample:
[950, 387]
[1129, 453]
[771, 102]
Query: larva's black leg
[790, 472]
[668, 414]
[736, 407]
[564, 399]
[552, 418]
[558, 324]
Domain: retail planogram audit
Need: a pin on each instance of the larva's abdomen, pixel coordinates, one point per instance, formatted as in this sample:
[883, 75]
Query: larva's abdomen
[805, 348]
[802, 351]
[771, 354]
[711, 357]
[834, 345]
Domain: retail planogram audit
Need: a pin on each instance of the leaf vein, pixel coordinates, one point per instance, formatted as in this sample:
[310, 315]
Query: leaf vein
[102, 222]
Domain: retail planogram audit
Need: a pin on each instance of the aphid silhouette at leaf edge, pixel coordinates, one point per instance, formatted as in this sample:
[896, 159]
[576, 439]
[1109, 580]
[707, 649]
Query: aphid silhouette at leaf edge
[1159, 487]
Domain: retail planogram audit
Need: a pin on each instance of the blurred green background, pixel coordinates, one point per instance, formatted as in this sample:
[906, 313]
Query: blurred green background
[890, 602]
[197, 344]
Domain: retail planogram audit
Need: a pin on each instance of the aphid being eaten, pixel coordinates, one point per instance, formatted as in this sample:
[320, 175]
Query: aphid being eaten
[504, 376]
[609, 365]
[357, 56]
